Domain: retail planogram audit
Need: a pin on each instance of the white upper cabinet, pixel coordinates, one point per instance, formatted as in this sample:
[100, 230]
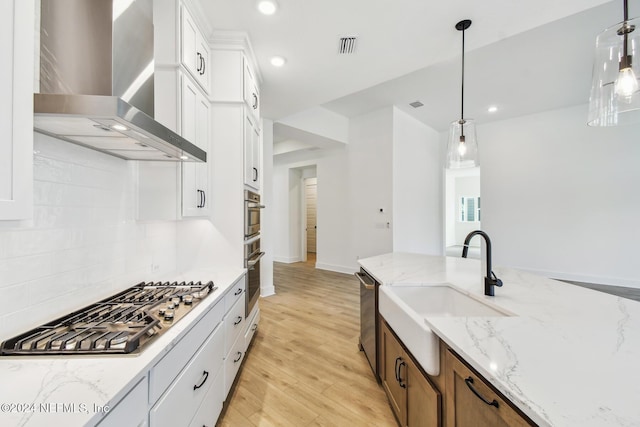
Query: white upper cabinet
[233, 80]
[195, 127]
[16, 109]
[252, 154]
[251, 94]
[195, 50]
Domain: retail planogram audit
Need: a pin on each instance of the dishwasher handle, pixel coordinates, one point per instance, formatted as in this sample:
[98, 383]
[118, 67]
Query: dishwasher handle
[361, 277]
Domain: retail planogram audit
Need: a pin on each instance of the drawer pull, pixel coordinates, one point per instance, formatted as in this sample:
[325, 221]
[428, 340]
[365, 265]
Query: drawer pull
[469, 382]
[237, 322]
[206, 375]
[254, 327]
[239, 357]
[400, 381]
[238, 292]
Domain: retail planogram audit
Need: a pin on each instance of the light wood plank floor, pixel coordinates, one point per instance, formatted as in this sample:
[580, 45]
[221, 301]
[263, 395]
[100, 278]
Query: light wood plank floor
[304, 367]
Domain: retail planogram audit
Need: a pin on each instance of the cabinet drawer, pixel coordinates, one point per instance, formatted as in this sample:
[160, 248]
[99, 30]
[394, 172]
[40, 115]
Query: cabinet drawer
[235, 292]
[471, 401]
[131, 410]
[180, 403]
[233, 325]
[211, 404]
[252, 327]
[232, 364]
[164, 372]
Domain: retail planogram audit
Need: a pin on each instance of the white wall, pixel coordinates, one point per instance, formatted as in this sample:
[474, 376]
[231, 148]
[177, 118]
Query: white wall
[561, 198]
[83, 243]
[417, 186]
[389, 160]
[369, 162]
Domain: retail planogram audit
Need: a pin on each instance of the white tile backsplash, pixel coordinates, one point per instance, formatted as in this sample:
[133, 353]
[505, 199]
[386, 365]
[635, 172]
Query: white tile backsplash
[83, 244]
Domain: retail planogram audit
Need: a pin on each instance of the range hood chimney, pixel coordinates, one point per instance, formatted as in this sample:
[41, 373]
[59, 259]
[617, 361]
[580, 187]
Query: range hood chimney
[96, 80]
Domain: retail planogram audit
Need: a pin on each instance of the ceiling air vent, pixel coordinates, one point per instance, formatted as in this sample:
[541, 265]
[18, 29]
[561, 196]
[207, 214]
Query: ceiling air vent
[416, 104]
[347, 45]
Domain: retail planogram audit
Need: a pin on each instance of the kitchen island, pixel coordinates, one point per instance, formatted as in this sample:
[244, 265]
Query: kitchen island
[567, 356]
[82, 390]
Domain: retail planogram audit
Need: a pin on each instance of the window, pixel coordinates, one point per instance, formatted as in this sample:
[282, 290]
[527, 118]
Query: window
[469, 209]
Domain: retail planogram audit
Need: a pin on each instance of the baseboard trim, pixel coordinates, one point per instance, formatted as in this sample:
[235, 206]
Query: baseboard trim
[268, 291]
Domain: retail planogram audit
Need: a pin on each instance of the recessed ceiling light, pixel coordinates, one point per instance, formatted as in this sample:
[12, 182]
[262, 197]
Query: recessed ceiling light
[267, 7]
[492, 109]
[278, 61]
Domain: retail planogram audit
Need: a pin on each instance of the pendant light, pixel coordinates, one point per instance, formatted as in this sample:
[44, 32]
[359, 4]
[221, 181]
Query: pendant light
[615, 93]
[462, 149]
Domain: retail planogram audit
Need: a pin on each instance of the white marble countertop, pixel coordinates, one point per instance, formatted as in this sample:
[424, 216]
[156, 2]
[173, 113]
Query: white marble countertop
[569, 357]
[33, 389]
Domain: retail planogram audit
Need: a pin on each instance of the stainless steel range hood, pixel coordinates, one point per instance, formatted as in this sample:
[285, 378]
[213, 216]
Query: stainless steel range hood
[96, 80]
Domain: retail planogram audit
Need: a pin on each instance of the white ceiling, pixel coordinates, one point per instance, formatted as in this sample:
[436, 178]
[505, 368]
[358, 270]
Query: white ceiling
[409, 50]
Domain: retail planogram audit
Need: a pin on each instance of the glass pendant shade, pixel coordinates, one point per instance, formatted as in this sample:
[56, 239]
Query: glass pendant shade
[615, 88]
[462, 148]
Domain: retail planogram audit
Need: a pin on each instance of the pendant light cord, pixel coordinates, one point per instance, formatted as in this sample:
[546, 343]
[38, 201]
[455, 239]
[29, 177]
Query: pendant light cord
[462, 83]
[625, 38]
[626, 11]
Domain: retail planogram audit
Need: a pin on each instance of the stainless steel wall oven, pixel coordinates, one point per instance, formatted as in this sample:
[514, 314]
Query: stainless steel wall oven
[252, 208]
[252, 255]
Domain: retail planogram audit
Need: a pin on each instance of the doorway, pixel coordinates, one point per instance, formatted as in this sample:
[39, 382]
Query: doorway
[310, 217]
[311, 204]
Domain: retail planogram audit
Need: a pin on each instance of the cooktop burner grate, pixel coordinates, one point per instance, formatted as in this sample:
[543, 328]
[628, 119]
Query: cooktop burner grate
[120, 324]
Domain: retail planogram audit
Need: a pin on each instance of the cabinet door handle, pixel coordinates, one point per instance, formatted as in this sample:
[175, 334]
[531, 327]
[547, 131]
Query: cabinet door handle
[400, 381]
[238, 292]
[254, 327]
[239, 357]
[396, 369]
[238, 320]
[255, 101]
[255, 174]
[204, 65]
[469, 382]
[206, 375]
[204, 198]
[199, 66]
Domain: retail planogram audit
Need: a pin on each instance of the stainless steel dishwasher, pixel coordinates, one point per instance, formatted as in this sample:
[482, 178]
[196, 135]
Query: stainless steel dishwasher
[369, 319]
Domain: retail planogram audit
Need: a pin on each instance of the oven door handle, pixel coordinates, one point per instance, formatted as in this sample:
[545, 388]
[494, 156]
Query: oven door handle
[255, 206]
[361, 277]
[252, 263]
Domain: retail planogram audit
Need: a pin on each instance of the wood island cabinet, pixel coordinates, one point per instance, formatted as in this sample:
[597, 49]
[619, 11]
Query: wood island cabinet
[471, 401]
[415, 401]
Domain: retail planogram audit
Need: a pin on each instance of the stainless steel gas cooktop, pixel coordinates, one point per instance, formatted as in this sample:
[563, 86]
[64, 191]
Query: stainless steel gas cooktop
[121, 324]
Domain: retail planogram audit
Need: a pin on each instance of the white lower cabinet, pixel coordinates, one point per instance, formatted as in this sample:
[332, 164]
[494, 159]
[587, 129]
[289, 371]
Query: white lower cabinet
[234, 320]
[232, 363]
[211, 405]
[181, 401]
[252, 326]
[131, 410]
